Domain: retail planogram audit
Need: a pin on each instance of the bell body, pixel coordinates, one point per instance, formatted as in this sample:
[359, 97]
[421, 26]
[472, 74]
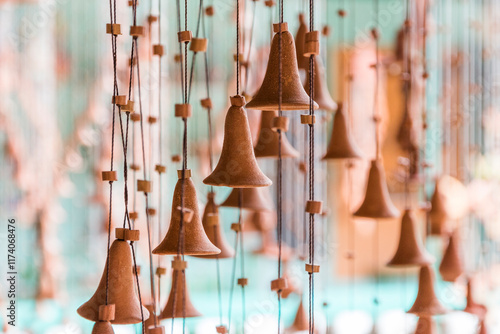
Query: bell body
[256, 199]
[342, 145]
[294, 97]
[121, 289]
[179, 304]
[426, 325]
[194, 240]
[426, 304]
[301, 320]
[102, 327]
[237, 167]
[451, 266]
[411, 251]
[268, 142]
[377, 202]
[321, 94]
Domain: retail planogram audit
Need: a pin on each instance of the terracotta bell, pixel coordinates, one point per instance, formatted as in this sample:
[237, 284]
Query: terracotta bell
[377, 202]
[342, 145]
[472, 306]
[268, 142]
[294, 97]
[237, 167]
[426, 303]
[300, 41]
[214, 231]
[260, 221]
[121, 289]
[180, 295]
[301, 321]
[411, 251]
[195, 240]
[256, 199]
[321, 94]
[451, 265]
[102, 327]
[426, 325]
[438, 217]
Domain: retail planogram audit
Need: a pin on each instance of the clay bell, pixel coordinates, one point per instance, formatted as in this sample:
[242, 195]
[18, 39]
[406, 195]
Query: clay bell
[268, 142]
[451, 265]
[377, 202]
[321, 94]
[301, 321]
[255, 199]
[214, 231]
[426, 325]
[121, 289]
[342, 145]
[411, 251]
[426, 303]
[179, 295]
[195, 240]
[237, 167]
[294, 97]
[300, 41]
[102, 327]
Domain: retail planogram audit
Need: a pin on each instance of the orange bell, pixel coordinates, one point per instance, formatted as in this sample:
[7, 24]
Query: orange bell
[237, 167]
[426, 303]
[301, 321]
[195, 241]
[102, 327]
[411, 251]
[294, 97]
[256, 199]
[121, 289]
[179, 295]
[377, 202]
[342, 145]
[321, 94]
[426, 325]
[268, 142]
[451, 265]
[300, 41]
[214, 230]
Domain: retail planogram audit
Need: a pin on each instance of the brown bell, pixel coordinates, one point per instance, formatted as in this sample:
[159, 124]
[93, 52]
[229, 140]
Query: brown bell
[256, 199]
[300, 41]
[321, 94]
[342, 145]
[451, 265]
[268, 142]
[260, 221]
[214, 231]
[377, 202]
[301, 321]
[180, 295]
[102, 327]
[472, 306]
[411, 251]
[426, 303]
[438, 216]
[237, 167]
[121, 289]
[426, 325]
[195, 240]
[294, 97]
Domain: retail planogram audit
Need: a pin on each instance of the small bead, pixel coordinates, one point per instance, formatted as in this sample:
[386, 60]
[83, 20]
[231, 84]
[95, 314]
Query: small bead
[238, 101]
[133, 215]
[136, 31]
[161, 271]
[187, 173]
[128, 107]
[109, 176]
[131, 235]
[280, 123]
[152, 18]
[160, 169]
[279, 284]
[184, 36]
[183, 110]
[151, 211]
[314, 207]
[144, 186]
[307, 119]
[178, 263]
[119, 100]
[243, 281]
[152, 120]
[198, 45]
[341, 13]
[269, 3]
[107, 312]
[176, 158]
[135, 117]
[311, 48]
[236, 227]
[135, 167]
[113, 29]
[177, 58]
[209, 11]
[325, 31]
[276, 27]
[312, 268]
[119, 233]
[221, 329]
[206, 103]
[158, 50]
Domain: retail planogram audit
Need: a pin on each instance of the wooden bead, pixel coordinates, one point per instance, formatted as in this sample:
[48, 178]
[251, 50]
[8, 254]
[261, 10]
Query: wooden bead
[135, 167]
[160, 169]
[212, 219]
[302, 167]
[119, 100]
[132, 61]
[152, 120]
[136, 31]
[187, 173]
[183, 110]
[152, 18]
[206, 103]
[177, 58]
[221, 329]
[269, 3]
[131, 3]
[158, 50]
[109, 176]
[135, 117]
[280, 123]
[243, 281]
[312, 268]
[151, 211]
[161, 271]
[312, 36]
[236, 227]
[113, 29]
[198, 45]
[184, 36]
[276, 27]
[133, 215]
[156, 330]
[119, 233]
[128, 107]
[314, 207]
[307, 119]
[176, 158]
[341, 13]
[311, 48]
[131, 235]
[325, 31]
[241, 58]
[209, 11]
[136, 270]
[375, 33]
[188, 214]
[279, 284]
[107, 312]
[238, 101]
[178, 263]
[144, 186]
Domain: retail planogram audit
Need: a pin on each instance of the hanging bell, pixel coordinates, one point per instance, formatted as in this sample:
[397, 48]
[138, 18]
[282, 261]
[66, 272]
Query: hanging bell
[342, 145]
[179, 294]
[300, 41]
[451, 265]
[293, 96]
[321, 94]
[256, 199]
[411, 251]
[268, 142]
[301, 321]
[438, 216]
[214, 230]
[237, 167]
[472, 306]
[260, 221]
[426, 325]
[426, 303]
[121, 287]
[195, 241]
[377, 202]
[102, 327]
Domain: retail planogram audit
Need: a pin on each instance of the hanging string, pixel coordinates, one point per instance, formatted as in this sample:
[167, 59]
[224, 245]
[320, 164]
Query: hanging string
[407, 84]
[237, 47]
[193, 58]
